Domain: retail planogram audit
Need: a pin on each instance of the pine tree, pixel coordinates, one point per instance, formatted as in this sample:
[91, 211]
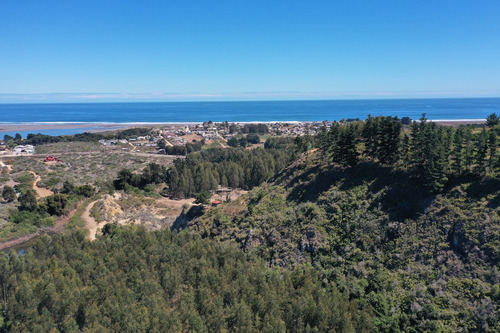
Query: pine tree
[419, 145]
[493, 145]
[173, 180]
[468, 151]
[436, 170]
[481, 153]
[344, 152]
[492, 120]
[437, 177]
[370, 134]
[405, 150]
[389, 138]
[458, 152]
[322, 139]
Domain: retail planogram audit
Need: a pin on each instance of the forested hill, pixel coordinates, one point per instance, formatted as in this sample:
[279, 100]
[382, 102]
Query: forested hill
[134, 281]
[369, 226]
[408, 223]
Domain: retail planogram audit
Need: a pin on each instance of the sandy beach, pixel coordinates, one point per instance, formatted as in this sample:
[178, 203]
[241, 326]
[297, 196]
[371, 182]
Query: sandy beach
[101, 127]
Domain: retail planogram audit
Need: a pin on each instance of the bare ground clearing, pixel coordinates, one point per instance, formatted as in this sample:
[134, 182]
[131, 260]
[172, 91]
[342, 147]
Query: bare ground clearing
[192, 137]
[40, 191]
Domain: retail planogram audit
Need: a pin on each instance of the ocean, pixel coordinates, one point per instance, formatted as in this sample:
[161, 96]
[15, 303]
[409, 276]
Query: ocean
[252, 111]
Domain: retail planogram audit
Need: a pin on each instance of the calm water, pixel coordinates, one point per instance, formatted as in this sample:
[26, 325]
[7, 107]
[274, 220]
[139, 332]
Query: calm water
[268, 111]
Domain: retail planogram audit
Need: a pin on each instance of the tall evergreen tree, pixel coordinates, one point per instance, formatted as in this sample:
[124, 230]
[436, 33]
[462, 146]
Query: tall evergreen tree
[344, 151]
[405, 150]
[481, 153]
[370, 135]
[458, 152]
[173, 180]
[389, 138]
[468, 150]
[493, 145]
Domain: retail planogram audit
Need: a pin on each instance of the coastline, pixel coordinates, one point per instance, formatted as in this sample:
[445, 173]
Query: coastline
[72, 128]
[100, 127]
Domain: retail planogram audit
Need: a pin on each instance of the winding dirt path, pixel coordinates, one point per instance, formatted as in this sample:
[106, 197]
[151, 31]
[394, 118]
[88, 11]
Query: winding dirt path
[42, 192]
[90, 223]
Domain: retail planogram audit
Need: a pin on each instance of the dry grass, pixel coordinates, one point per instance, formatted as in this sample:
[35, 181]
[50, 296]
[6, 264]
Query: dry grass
[192, 137]
[87, 164]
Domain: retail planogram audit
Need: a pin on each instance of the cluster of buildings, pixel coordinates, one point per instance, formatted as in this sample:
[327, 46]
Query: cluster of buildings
[175, 135]
[140, 141]
[297, 128]
[17, 150]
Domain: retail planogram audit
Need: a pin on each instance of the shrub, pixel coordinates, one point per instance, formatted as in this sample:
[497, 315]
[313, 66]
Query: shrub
[8, 193]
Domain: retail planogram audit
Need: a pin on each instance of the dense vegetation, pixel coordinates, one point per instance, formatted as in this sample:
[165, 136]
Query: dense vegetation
[134, 281]
[31, 211]
[368, 226]
[407, 222]
[243, 141]
[182, 149]
[236, 168]
[209, 169]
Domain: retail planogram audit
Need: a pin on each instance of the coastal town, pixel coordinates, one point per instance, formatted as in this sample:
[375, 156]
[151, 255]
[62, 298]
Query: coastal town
[157, 139]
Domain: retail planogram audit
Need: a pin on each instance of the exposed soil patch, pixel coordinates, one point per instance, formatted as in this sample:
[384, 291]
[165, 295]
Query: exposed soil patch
[192, 137]
[40, 191]
[90, 223]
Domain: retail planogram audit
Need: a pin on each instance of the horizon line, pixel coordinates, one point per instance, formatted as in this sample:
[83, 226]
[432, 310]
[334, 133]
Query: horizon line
[68, 98]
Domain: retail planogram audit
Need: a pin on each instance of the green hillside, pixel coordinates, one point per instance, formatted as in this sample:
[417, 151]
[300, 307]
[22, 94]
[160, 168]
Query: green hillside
[417, 241]
[369, 226]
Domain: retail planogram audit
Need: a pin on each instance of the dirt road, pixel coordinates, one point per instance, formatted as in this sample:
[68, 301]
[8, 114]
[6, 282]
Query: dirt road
[90, 223]
[40, 191]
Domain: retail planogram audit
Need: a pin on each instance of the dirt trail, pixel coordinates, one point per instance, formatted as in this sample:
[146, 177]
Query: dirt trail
[223, 141]
[57, 228]
[42, 192]
[90, 223]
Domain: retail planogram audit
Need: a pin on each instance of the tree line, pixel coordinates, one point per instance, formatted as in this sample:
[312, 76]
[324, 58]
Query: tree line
[38, 139]
[235, 168]
[188, 148]
[433, 154]
[209, 169]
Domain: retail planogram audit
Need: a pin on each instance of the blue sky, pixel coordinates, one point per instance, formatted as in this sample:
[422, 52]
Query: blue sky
[60, 51]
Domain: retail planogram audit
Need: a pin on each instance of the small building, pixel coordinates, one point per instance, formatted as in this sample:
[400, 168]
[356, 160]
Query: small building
[215, 203]
[27, 149]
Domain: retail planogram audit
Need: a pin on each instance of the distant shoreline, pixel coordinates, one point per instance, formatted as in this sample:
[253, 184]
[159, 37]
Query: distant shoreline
[102, 127]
